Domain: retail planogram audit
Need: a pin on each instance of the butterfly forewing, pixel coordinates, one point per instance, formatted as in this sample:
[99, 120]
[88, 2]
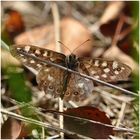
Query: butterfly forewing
[44, 54]
[106, 70]
[59, 82]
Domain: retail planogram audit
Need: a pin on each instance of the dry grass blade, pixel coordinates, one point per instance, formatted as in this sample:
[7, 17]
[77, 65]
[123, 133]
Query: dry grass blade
[39, 123]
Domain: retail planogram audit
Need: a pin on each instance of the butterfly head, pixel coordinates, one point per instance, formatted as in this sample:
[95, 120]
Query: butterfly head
[71, 61]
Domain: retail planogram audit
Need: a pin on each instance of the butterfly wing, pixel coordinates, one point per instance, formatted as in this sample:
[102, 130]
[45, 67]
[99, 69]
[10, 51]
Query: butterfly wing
[50, 79]
[78, 88]
[44, 54]
[105, 70]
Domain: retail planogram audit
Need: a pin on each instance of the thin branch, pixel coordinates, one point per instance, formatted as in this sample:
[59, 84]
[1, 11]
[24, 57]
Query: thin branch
[92, 121]
[39, 123]
[37, 110]
[56, 19]
[78, 73]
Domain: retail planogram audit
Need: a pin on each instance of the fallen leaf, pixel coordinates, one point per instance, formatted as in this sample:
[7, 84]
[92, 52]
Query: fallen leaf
[93, 130]
[14, 24]
[115, 53]
[11, 129]
[73, 33]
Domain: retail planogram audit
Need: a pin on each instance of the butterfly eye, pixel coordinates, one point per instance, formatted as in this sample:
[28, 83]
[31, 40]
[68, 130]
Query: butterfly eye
[50, 87]
[67, 93]
[58, 91]
[118, 69]
[76, 93]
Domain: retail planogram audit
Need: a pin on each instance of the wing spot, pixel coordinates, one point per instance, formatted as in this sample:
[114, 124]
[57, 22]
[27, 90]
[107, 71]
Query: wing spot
[76, 93]
[32, 61]
[104, 75]
[96, 63]
[45, 53]
[37, 52]
[112, 77]
[115, 65]
[52, 59]
[116, 72]
[93, 72]
[106, 70]
[50, 78]
[122, 68]
[24, 60]
[27, 48]
[39, 65]
[81, 85]
[104, 64]
[47, 70]
[96, 76]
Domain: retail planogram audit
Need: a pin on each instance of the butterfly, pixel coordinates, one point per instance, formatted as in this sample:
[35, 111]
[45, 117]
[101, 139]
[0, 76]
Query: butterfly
[62, 83]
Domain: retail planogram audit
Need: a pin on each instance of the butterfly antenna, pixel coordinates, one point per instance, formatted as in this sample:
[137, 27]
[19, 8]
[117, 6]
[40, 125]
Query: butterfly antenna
[64, 46]
[80, 45]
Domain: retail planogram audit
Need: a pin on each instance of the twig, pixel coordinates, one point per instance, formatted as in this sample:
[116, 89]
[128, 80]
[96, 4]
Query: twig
[121, 113]
[75, 117]
[56, 19]
[118, 30]
[78, 73]
[92, 121]
[39, 123]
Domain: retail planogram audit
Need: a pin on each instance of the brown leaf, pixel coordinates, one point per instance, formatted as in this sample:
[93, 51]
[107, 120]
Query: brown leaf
[73, 33]
[11, 129]
[115, 53]
[112, 11]
[14, 24]
[93, 130]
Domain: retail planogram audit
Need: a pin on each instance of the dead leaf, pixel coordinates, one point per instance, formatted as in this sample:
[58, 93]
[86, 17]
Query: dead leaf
[112, 11]
[115, 53]
[73, 33]
[14, 24]
[11, 129]
[93, 130]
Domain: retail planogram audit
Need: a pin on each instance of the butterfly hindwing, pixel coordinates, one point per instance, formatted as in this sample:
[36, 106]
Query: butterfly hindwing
[106, 70]
[51, 80]
[43, 54]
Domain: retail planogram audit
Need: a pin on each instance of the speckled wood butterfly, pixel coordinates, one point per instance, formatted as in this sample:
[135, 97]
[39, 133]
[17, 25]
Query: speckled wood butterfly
[62, 83]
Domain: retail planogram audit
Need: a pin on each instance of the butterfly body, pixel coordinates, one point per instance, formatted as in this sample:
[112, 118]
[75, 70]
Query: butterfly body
[62, 83]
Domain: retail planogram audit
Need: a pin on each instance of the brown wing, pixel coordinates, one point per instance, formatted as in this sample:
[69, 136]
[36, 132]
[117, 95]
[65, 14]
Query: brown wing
[105, 70]
[51, 80]
[78, 88]
[44, 54]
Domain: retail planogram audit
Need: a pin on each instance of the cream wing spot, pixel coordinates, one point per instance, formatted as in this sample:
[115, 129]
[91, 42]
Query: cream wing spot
[39, 65]
[104, 64]
[93, 72]
[50, 78]
[96, 76]
[37, 52]
[45, 54]
[106, 70]
[104, 75]
[112, 77]
[80, 85]
[24, 60]
[115, 65]
[116, 72]
[32, 61]
[27, 48]
[122, 68]
[96, 63]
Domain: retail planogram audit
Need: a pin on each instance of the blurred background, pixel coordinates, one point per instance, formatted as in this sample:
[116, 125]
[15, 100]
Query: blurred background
[113, 30]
